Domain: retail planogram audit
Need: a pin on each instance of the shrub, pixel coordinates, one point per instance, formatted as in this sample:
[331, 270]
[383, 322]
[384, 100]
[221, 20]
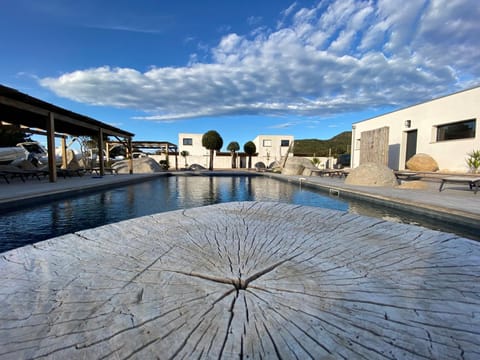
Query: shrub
[473, 160]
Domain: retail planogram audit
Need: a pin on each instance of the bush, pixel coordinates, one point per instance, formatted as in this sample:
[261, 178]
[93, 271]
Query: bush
[164, 164]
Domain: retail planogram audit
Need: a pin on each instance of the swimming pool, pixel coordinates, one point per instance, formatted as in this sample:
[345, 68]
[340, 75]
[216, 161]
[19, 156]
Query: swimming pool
[55, 218]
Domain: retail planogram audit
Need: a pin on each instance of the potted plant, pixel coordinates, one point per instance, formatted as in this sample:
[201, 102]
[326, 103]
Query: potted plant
[473, 161]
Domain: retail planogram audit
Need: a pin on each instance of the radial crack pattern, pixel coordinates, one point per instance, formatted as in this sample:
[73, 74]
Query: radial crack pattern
[243, 280]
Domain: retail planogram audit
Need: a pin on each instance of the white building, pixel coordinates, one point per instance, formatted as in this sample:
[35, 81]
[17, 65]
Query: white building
[445, 128]
[269, 148]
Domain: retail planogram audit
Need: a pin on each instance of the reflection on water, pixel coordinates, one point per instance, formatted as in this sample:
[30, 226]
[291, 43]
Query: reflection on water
[164, 194]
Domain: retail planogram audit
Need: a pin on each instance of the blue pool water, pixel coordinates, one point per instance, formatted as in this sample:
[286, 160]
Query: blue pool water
[47, 220]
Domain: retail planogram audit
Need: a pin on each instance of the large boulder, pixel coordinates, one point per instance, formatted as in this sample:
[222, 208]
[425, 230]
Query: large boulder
[372, 174]
[422, 162]
[298, 166]
[144, 165]
[72, 162]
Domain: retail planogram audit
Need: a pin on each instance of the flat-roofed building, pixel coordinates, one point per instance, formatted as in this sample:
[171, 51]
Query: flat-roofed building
[446, 128]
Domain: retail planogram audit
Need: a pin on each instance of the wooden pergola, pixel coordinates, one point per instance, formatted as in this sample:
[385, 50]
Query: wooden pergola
[21, 109]
[164, 146]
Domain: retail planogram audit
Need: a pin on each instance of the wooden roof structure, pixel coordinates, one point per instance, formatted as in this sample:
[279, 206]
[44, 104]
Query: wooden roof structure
[21, 109]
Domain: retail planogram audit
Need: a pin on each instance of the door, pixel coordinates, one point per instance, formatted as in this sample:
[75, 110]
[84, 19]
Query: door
[411, 144]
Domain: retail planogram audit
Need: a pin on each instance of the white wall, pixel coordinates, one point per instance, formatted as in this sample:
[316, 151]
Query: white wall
[451, 154]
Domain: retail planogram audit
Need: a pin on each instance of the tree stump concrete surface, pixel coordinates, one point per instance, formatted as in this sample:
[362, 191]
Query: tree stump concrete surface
[243, 280]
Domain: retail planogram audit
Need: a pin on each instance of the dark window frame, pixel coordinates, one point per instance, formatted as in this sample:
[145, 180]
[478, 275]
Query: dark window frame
[458, 130]
[284, 143]
[187, 141]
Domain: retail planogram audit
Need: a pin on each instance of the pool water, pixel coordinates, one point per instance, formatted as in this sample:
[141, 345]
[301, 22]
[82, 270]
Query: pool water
[55, 218]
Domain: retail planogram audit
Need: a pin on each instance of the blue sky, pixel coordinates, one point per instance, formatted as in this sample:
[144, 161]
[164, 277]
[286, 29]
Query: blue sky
[244, 68]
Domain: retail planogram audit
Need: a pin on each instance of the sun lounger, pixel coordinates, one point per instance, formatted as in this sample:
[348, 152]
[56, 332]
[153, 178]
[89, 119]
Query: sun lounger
[406, 175]
[70, 172]
[329, 172]
[13, 172]
[96, 170]
[473, 182]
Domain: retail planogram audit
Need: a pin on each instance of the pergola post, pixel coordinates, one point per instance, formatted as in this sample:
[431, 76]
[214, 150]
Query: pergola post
[100, 152]
[107, 151]
[64, 152]
[130, 153]
[52, 164]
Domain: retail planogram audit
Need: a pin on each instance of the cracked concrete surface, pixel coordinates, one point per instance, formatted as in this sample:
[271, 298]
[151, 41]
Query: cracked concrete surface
[243, 280]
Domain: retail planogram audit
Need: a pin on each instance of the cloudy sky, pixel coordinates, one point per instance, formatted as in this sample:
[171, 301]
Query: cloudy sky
[243, 68]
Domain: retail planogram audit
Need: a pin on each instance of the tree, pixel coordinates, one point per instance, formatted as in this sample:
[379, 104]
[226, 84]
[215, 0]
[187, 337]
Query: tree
[212, 141]
[12, 135]
[233, 147]
[249, 149]
[185, 153]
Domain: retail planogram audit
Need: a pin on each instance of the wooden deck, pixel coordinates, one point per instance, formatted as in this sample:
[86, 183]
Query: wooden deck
[243, 280]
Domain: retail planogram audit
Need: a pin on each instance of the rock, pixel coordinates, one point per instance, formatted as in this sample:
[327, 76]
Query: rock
[274, 165]
[259, 166]
[144, 165]
[372, 174]
[297, 166]
[196, 167]
[25, 165]
[72, 162]
[415, 185]
[422, 162]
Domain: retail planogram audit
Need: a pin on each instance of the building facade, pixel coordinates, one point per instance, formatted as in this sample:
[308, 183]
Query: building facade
[446, 128]
[270, 148]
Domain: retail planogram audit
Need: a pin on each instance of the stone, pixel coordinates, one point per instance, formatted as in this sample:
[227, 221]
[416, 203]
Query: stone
[414, 185]
[260, 166]
[243, 280]
[274, 165]
[143, 165]
[422, 162]
[297, 165]
[72, 162]
[25, 165]
[372, 174]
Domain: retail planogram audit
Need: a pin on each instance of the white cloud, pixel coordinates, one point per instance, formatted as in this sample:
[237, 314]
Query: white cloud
[335, 57]
[283, 125]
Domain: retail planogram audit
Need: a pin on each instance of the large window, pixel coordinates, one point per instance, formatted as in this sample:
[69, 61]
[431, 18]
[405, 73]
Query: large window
[187, 141]
[284, 142]
[459, 130]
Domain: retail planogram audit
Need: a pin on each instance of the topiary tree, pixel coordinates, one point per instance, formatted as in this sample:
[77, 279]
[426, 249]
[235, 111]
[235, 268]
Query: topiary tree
[185, 153]
[249, 149]
[233, 147]
[212, 141]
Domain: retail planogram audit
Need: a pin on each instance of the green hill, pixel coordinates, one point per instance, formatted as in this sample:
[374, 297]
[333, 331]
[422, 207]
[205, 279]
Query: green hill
[339, 144]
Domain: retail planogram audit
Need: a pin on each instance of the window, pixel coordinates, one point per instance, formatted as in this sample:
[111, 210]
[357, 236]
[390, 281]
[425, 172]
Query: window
[459, 130]
[187, 141]
[284, 142]
[267, 143]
